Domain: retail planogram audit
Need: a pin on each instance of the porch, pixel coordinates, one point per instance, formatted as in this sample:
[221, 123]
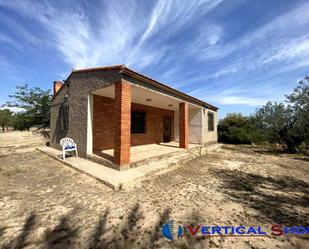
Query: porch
[129, 123]
[132, 177]
[142, 154]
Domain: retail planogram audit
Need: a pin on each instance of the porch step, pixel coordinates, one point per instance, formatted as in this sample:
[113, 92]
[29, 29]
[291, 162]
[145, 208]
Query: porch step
[132, 177]
[156, 158]
[102, 161]
[170, 162]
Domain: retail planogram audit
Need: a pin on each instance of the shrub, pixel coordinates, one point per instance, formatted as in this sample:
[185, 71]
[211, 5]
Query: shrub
[22, 121]
[238, 129]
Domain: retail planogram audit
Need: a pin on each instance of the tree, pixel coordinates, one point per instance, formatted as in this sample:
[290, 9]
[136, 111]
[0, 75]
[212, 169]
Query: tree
[287, 123]
[276, 120]
[36, 103]
[237, 129]
[298, 101]
[5, 118]
[21, 121]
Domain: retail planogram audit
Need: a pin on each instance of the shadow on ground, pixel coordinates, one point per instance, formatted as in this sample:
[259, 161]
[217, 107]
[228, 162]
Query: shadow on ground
[302, 158]
[21, 240]
[128, 234]
[2, 231]
[274, 198]
[64, 235]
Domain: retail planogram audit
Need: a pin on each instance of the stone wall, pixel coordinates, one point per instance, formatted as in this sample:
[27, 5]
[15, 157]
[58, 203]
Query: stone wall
[195, 126]
[209, 136]
[58, 117]
[81, 84]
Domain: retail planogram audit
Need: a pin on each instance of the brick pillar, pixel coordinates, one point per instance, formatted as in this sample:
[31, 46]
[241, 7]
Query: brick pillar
[122, 133]
[57, 86]
[183, 125]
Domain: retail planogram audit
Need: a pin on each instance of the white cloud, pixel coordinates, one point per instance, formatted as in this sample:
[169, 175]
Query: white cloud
[298, 47]
[240, 100]
[174, 14]
[119, 36]
[244, 94]
[277, 41]
[12, 109]
[209, 35]
[288, 55]
[10, 41]
[23, 34]
[140, 37]
[5, 65]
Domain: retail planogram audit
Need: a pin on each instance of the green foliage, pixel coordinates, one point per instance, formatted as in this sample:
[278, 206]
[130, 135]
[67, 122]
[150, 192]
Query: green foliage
[272, 118]
[36, 104]
[22, 121]
[238, 129]
[288, 123]
[285, 123]
[299, 103]
[235, 135]
[5, 118]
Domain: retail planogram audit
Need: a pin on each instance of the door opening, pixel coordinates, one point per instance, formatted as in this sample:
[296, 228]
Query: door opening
[167, 129]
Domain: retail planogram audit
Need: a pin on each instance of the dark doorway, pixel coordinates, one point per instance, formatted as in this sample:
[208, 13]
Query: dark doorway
[167, 129]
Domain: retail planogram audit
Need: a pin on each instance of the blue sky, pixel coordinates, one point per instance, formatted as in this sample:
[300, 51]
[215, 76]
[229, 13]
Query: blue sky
[235, 54]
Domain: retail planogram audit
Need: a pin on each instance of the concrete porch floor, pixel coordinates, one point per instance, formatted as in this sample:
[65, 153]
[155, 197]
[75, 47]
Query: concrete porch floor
[131, 177]
[142, 152]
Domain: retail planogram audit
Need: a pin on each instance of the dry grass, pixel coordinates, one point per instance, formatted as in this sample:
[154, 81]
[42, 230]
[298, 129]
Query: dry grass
[44, 204]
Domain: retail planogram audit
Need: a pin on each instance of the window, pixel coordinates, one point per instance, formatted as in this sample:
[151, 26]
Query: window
[211, 125]
[138, 122]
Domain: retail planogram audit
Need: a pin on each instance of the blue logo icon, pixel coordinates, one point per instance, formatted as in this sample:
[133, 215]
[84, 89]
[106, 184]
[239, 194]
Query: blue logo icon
[172, 231]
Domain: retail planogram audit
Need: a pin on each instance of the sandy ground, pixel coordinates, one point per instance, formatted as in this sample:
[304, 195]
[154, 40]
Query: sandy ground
[20, 141]
[44, 204]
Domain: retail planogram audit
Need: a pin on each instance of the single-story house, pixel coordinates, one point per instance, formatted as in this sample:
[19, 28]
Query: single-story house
[115, 108]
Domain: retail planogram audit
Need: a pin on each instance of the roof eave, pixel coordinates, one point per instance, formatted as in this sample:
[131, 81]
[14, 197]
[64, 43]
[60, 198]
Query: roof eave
[124, 70]
[155, 83]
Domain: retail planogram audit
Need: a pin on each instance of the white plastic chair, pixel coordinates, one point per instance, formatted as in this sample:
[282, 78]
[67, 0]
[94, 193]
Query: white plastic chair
[68, 144]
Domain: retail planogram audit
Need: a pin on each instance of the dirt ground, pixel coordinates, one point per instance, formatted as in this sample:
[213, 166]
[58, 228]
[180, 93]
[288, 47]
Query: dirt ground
[44, 204]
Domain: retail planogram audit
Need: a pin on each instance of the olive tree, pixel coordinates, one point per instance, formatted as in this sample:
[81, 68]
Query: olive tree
[5, 118]
[287, 123]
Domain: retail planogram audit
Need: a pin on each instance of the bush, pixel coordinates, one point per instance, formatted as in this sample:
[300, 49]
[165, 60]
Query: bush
[238, 129]
[235, 135]
[5, 118]
[22, 121]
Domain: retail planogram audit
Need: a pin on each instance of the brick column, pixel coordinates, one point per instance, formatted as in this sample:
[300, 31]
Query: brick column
[57, 86]
[183, 125]
[122, 133]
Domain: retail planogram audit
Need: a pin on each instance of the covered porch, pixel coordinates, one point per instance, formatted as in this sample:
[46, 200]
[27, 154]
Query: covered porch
[129, 123]
[145, 153]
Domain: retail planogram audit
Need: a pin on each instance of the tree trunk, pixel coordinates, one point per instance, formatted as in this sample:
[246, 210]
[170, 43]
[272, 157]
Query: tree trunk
[292, 145]
[3, 128]
[292, 148]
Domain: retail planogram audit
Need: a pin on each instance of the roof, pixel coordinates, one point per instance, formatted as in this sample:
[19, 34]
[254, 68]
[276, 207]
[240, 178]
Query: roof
[124, 70]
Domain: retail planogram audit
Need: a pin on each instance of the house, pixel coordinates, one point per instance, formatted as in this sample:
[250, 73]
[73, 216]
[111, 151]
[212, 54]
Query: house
[115, 108]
